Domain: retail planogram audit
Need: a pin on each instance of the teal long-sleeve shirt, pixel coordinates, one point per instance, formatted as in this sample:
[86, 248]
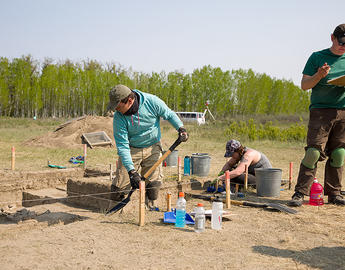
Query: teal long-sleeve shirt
[142, 129]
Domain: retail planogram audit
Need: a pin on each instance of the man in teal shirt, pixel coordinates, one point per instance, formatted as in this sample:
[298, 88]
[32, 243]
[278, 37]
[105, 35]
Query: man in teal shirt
[326, 129]
[137, 134]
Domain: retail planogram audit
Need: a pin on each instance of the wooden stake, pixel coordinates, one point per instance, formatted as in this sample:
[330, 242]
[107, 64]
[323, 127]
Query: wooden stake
[236, 188]
[111, 172]
[13, 158]
[168, 202]
[246, 178]
[217, 185]
[290, 175]
[141, 203]
[178, 169]
[227, 188]
[85, 153]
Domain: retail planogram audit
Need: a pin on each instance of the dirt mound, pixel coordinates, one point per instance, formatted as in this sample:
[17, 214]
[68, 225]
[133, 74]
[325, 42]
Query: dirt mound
[68, 135]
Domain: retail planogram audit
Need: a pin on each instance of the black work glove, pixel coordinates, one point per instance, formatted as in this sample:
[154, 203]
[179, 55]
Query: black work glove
[134, 178]
[183, 134]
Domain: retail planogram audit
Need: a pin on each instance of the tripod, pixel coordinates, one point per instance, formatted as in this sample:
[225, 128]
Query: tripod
[208, 110]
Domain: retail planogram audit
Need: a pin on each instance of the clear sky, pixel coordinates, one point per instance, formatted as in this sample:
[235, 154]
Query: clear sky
[269, 36]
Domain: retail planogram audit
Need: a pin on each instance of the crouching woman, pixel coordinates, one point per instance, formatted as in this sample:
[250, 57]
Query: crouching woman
[240, 156]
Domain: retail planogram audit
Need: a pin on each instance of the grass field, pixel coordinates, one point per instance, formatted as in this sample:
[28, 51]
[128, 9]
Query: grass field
[14, 132]
[209, 138]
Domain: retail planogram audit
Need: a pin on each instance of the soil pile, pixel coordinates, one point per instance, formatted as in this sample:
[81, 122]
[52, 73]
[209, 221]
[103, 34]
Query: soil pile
[69, 134]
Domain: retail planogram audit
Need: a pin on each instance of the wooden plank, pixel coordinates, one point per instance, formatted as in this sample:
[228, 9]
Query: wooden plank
[69, 122]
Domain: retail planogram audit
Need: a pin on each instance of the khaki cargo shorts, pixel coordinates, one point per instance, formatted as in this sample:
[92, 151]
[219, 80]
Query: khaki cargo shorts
[143, 159]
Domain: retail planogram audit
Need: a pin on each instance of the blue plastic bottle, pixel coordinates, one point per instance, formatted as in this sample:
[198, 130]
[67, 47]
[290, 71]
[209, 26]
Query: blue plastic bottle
[186, 165]
[181, 211]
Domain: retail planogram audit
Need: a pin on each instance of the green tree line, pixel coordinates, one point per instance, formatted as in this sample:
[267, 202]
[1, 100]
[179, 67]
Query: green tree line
[29, 88]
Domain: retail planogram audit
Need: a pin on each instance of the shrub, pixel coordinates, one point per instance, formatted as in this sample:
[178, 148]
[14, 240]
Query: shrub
[250, 131]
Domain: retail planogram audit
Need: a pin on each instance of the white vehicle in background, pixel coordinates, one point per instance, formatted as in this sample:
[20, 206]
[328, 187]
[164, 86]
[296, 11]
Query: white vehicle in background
[192, 117]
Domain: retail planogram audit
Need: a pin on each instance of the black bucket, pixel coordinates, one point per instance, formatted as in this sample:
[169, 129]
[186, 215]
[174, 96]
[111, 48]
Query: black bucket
[268, 182]
[200, 163]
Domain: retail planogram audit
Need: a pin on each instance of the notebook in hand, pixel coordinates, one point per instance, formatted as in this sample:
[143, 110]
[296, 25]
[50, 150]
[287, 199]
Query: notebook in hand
[339, 81]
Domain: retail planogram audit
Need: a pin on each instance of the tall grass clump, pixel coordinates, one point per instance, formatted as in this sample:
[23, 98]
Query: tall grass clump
[250, 131]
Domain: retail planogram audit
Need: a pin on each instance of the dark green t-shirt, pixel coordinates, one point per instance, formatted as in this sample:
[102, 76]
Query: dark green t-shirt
[326, 95]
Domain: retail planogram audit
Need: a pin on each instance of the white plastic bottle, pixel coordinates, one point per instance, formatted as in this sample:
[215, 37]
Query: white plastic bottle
[199, 222]
[216, 216]
[180, 211]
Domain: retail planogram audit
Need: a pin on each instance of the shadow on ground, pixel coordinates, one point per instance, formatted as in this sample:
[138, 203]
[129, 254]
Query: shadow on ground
[50, 218]
[325, 258]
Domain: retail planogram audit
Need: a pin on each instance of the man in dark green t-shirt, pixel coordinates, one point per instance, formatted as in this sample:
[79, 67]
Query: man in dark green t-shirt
[326, 128]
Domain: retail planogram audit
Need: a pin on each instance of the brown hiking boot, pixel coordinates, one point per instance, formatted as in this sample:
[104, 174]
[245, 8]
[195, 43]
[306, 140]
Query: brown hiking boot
[297, 199]
[336, 199]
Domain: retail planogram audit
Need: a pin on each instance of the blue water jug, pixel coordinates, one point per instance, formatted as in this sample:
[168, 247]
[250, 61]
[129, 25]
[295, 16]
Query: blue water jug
[180, 211]
[186, 165]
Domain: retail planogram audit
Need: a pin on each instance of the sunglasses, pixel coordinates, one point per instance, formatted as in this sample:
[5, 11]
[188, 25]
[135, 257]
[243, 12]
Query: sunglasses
[341, 43]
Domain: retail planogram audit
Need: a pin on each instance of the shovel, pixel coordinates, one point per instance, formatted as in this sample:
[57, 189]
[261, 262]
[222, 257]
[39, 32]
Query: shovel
[124, 202]
[276, 206]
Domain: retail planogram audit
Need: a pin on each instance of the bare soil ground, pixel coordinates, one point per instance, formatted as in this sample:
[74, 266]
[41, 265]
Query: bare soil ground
[71, 238]
[58, 236]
